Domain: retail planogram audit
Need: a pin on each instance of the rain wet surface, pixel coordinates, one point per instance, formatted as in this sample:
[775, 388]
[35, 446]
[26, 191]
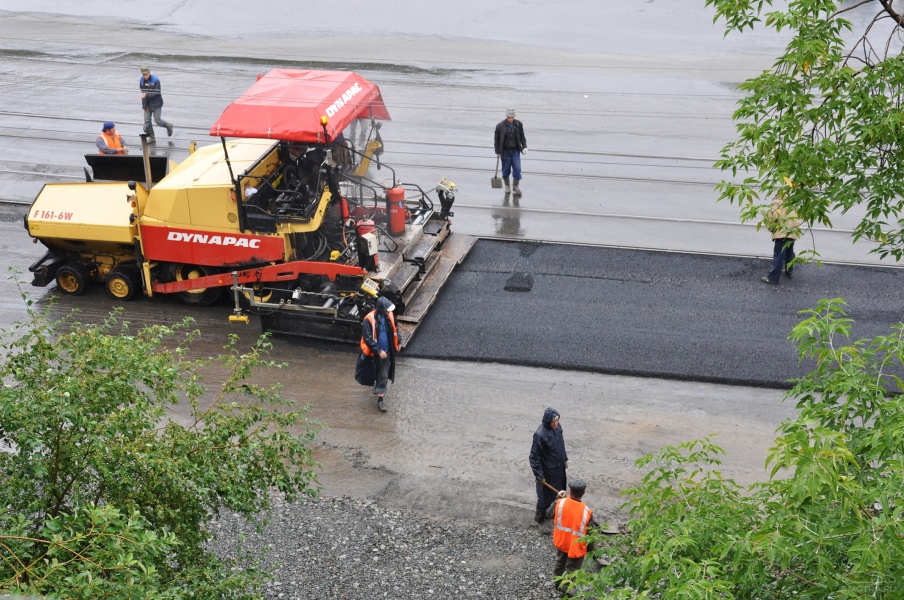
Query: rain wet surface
[459, 432]
[625, 105]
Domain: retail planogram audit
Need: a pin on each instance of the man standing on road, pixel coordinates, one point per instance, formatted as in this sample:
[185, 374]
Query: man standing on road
[548, 461]
[783, 223]
[509, 144]
[380, 339]
[152, 103]
[572, 518]
[110, 142]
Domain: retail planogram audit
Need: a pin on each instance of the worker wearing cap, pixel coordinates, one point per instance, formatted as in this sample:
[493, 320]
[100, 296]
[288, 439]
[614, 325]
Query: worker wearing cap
[784, 224]
[110, 142]
[380, 339]
[548, 461]
[510, 143]
[152, 103]
[571, 519]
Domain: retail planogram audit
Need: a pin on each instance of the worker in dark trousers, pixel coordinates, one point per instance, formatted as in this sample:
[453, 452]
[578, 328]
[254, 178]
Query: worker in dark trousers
[784, 225]
[548, 461]
[380, 339]
[571, 518]
[510, 143]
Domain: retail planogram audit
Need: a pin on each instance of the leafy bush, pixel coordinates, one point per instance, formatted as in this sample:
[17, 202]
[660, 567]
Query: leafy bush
[827, 524]
[826, 118]
[106, 491]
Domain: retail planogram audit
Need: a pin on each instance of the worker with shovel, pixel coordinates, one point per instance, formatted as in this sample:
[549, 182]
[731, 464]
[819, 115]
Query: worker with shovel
[571, 518]
[548, 461]
[509, 143]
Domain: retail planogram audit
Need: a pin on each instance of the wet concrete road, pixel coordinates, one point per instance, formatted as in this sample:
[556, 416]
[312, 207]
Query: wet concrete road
[459, 432]
[625, 111]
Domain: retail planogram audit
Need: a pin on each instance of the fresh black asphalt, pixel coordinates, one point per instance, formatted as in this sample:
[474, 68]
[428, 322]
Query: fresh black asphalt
[672, 315]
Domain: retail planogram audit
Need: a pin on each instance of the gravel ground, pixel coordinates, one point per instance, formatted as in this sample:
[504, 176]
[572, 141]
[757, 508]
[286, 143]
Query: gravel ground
[332, 548]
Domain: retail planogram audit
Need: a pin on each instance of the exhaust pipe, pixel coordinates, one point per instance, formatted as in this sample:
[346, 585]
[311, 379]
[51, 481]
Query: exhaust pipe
[147, 160]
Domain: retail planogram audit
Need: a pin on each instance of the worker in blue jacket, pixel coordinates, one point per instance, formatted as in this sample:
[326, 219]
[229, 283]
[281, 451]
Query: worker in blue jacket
[380, 340]
[152, 103]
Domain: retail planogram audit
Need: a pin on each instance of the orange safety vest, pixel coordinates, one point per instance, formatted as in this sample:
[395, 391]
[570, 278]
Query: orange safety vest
[371, 318]
[112, 142]
[570, 525]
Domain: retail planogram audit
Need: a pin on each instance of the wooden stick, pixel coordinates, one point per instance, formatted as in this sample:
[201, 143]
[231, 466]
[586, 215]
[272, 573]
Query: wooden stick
[550, 487]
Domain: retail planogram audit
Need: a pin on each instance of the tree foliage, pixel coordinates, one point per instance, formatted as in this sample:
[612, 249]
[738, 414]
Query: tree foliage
[828, 522]
[827, 118]
[117, 455]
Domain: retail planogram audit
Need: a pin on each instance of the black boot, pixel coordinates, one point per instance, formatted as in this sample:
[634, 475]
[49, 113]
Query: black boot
[540, 516]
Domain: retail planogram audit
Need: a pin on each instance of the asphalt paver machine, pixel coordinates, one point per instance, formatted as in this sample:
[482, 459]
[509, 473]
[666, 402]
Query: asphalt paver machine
[286, 215]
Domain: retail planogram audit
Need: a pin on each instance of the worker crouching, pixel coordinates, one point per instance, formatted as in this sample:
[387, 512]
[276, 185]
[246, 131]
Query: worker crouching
[110, 142]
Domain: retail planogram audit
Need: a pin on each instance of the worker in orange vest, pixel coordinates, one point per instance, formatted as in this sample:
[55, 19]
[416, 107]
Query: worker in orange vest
[380, 340]
[572, 518]
[110, 142]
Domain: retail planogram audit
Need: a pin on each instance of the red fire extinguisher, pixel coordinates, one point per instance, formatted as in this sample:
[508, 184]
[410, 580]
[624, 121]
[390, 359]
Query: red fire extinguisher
[365, 226]
[395, 210]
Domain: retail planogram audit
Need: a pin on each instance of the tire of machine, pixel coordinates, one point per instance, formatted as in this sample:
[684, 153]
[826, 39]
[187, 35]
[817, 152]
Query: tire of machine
[261, 294]
[73, 278]
[123, 282]
[202, 297]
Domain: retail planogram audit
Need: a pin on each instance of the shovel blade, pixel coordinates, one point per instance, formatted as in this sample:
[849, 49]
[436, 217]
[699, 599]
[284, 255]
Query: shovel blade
[496, 182]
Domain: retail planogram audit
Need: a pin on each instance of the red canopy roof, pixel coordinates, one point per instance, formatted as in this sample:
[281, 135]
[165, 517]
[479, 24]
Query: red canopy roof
[287, 104]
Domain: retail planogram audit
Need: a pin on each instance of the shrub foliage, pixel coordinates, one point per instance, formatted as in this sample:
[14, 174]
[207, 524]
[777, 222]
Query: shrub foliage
[117, 455]
[826, 118]
[827, 523]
